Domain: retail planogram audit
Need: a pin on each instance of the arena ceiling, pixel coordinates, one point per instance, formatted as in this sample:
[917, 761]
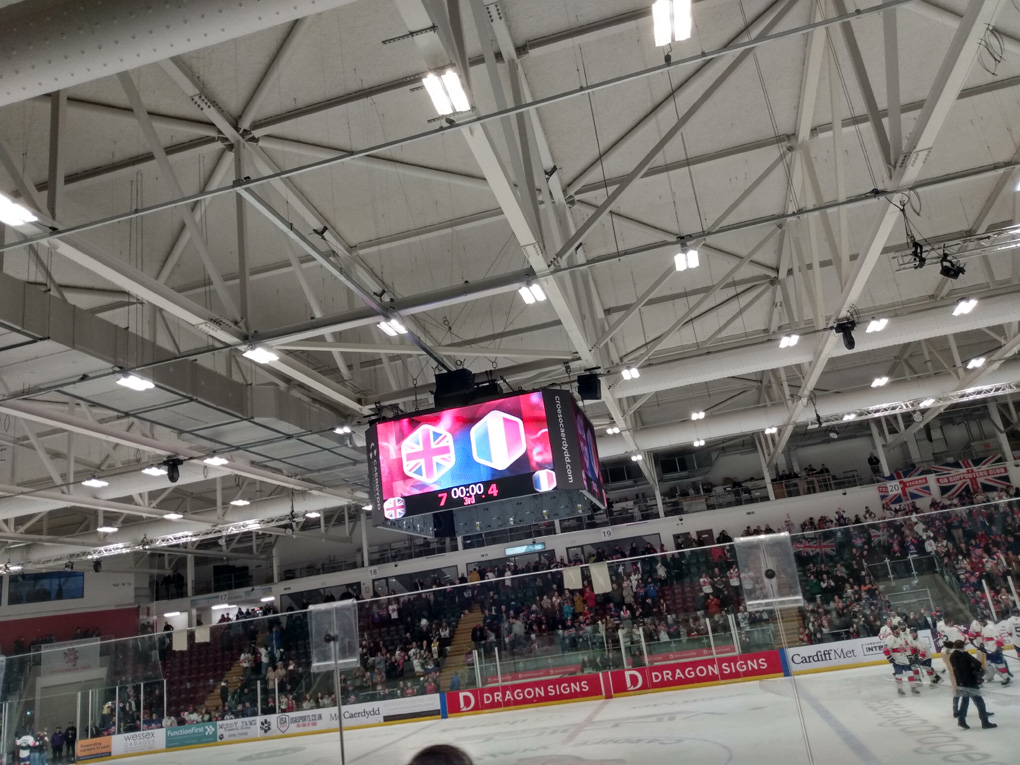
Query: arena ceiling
[208, 177]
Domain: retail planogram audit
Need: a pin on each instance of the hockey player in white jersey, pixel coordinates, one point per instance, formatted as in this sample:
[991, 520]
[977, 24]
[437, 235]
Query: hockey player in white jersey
[989, 642]
[948, 634]
[919, 659]
[897, 652]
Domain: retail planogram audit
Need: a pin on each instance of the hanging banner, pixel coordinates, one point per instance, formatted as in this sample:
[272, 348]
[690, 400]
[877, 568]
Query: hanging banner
[905, 486]
[72, 656]
[986, 475]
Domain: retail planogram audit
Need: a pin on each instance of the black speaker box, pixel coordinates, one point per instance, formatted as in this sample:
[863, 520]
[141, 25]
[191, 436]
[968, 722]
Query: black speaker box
[589, 387]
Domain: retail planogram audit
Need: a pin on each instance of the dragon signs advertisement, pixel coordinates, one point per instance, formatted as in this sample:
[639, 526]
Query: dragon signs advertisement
[492, 698]
[528, 443]
[663, 677]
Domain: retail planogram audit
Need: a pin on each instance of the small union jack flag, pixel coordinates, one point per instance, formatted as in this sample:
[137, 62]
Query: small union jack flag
[904, 486]
[880, 536]
[427, 453]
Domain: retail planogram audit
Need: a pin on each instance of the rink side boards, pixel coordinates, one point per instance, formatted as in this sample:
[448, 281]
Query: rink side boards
[845, 654]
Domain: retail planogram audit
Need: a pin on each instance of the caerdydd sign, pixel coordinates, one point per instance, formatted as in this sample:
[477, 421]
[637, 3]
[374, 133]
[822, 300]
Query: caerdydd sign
[845, 653]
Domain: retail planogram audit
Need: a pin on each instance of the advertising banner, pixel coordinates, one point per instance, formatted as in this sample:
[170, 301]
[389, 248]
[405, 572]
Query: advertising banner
[94, 748]
[310, 721]
[985, 474]
[697, 672]
[139, 742]
[391, 710]
[71, 656]
[237, 730]
[190, 735]
[524, 694]
[845, 653]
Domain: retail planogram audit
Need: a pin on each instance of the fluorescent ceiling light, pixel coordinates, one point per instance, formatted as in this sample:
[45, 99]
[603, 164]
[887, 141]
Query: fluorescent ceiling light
[392, 327]
[700, 442]
[447, 92]
[154, 470]
[221, 606]
[927, 402]
[312, 514]
[106, 529]
[671, 20]
[260, 355]
[172, 517]
[13, 567]
[215, 460]
[342, 430]
[170, 614]
[849, 416]
[878, 382]
[697, 415]
[964, 306]
[267, 599]
[13, 214]
[531, 293]
[612, 430]
[630, 373]
[134, 382]
[636, 458]
[770, 431]
[239, 502]
[367, 508]
[95, 483]
[788, 341]
[976, 363]
[526, 296]
[686, 259]
[876, 325]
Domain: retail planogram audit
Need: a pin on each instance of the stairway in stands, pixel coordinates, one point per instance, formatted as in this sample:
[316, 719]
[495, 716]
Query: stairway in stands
[460, 646]
[790, 623]
[233, 678]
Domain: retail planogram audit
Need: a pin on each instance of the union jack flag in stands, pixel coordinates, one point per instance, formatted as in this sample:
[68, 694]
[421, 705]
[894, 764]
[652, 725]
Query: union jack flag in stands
[904, 486]
[988, 475]
[880, 536]
[815, 546]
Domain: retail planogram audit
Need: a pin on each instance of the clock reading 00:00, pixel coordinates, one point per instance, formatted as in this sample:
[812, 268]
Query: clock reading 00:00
[468, 493]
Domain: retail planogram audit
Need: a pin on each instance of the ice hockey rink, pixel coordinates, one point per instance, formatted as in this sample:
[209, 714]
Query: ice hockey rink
[852, 716]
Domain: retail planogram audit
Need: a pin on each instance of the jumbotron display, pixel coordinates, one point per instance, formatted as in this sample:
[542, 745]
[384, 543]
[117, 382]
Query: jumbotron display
[524, 444]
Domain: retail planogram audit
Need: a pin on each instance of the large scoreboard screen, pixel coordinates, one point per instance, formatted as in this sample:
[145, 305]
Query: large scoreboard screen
[528, 443]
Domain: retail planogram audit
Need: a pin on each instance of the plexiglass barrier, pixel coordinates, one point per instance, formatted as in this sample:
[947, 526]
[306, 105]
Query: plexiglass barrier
[605, 628]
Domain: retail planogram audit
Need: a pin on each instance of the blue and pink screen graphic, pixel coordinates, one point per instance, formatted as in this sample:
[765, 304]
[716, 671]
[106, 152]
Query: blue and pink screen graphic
[468, 445]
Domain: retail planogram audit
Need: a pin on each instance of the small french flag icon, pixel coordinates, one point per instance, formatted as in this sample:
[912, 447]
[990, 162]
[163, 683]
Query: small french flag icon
[544, 480]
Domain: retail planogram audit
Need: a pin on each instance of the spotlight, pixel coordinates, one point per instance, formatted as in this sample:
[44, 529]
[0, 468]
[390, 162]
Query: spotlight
[833, 433]
[964, 305]
[951, 269]
[771, 430]
[173, 468]
[788, 341]
[917, 254]
[697, 415]
[700, 442]
[342, 430]
[849, 416]
[846, 328]
[976, 363]
[260, 355]
[636, 458]
[876, 325]
[878, 382]
[612, 430]
[630, 373]
[69, 566]
[97, 565]
[917, 417]
[288, 529]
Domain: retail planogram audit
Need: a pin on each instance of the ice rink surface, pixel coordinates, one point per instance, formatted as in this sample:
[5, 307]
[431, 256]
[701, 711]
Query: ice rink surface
[852, 716]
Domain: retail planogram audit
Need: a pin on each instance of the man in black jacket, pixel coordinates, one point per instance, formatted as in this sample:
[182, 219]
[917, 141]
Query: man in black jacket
[969, 673]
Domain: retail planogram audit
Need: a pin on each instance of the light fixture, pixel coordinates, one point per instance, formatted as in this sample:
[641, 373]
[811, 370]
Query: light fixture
[69, 566]
[788, 341]
[964, 306]
[686, 259]
[367, 508]
[342, 430]
[697, 415]
[612, 430]
[630, 373]
[97, 565]
[447, 92]
[154, 470]
[700, 442]
[134, 382]
[13, 568]
[845, 328]
[95, 483]
[172, 517]
[267, 599]
[636, 457]
[951, 269]
[849, 416]
[927, 402]
[221, 606]
[312, 514]
[917, 417]
[260, 355]
[106, 529]
[832, 433]
[392, 327]
[671, 21]
[878, 382]
[976, 363]
[173, 468]
[239, 502]
[876, 325]
[288, 529]
[771, 430]
[532, 293]
[13, 214]
[171, 614]
[215, 460]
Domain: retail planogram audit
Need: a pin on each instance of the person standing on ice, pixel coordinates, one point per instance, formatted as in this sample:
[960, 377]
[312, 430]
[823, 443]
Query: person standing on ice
[969, 675]
[897, 652]
[989, 641]
[919, 659]
[949, 634]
